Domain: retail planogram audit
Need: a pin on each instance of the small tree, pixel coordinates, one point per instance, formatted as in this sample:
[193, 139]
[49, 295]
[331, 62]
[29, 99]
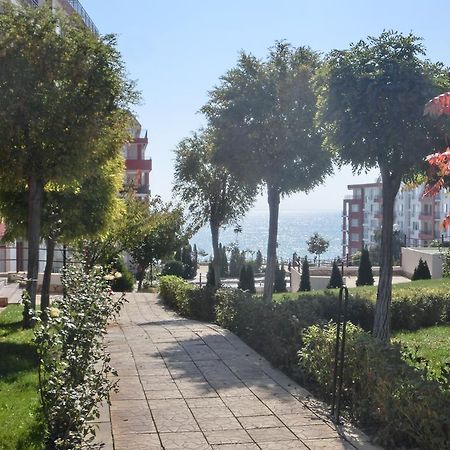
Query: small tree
[305, 282]
[188, 260]
[223, 261]
[280, 279]
[247, 279]
[173, 268]
[365, 275]
[210, 276]
[317, 245]
[421, 272]
[336, 277]
[258, 261]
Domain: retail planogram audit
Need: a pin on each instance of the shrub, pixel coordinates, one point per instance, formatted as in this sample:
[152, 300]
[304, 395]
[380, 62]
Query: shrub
[380, 389]
[173, 268]
[305, 282]
[365, 275]
[280, 279]
[74, 371]
[421, 272]
[247, 279]
[124, 282]
[187, 299]
[336, 277]
[210, 276]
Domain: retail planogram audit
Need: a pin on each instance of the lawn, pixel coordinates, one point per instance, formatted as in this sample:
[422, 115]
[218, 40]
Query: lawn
[20, 427]
[371, 291]
[432, 343]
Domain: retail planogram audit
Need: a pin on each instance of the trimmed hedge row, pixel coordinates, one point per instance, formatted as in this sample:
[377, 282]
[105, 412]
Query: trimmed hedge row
[383, 391]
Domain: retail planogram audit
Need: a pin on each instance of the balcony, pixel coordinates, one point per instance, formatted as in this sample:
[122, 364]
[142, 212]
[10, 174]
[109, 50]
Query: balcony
[32, 2]
[143, 189]
[78, 8]
[425, 216]
[143, 165]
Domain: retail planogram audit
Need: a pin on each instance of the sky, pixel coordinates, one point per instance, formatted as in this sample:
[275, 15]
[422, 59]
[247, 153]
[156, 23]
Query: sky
[176, 51]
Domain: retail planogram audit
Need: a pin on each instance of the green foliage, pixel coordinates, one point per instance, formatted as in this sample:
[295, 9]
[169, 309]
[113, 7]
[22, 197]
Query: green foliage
[371, 112]
[68, 116]
[280, 279]
[380, 389]
[305, 282]
[317, 245]
[421, 272]
[258, 261]
[237, 260]
[365, 274]
[187, 299]
[223, 261]
[336, 277]
[210, 276]
[263, 112]
[74, 371]
[247, 279]
[19, 403]
[187, 258]
[123, 279]
[173, 268]
[446, 265]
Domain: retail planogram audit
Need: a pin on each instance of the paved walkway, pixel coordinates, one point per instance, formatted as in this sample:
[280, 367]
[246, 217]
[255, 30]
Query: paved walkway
[192, 385]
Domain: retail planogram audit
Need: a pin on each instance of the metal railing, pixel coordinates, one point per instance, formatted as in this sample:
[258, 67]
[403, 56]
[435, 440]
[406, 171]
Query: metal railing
[78, 8]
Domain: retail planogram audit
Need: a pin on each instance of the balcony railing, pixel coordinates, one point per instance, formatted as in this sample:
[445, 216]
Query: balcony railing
[32, 2]
[78, 8]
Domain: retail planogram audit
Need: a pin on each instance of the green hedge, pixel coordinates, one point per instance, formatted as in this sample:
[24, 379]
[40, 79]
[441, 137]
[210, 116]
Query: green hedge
[382, 392]
[187, 299]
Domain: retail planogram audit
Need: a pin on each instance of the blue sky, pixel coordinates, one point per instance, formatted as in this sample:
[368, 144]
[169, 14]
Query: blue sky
[176, 50]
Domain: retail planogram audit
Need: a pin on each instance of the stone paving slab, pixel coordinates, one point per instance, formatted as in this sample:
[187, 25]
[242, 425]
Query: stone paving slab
[190, 385]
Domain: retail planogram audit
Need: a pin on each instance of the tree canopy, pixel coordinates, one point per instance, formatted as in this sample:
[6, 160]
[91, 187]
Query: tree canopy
[371, 110]
[211, 193]
[263, 113]
[64, 98]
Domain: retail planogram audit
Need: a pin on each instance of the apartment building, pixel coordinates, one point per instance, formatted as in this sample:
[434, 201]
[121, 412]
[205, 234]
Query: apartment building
[416, 218]
[137, 166]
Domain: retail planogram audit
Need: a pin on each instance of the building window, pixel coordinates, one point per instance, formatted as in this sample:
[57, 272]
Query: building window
[355, 207]
[132, 152]
[415, 226]
[354, 237]
[354, 222]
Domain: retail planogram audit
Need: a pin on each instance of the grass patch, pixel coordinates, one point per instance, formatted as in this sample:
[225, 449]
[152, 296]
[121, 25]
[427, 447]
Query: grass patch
[370, 291]
[20, 426]
[432, 343]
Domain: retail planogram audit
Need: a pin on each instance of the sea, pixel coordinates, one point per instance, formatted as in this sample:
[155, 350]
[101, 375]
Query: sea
[294, 229]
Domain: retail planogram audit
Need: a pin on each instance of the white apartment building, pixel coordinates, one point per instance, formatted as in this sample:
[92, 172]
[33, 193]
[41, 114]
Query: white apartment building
[417, 218]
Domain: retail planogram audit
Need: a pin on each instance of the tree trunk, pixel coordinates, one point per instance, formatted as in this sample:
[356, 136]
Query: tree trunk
[141, 275]
[45, 293]
[382, 319]
[216, 255]
[35, 197]
[273, 198]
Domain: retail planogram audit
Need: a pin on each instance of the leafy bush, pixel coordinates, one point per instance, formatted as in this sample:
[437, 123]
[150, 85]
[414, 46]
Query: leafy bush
[125, 281]
[421, 272]
[173, 268]
[187, 299]
[74, 371]
[381, 391]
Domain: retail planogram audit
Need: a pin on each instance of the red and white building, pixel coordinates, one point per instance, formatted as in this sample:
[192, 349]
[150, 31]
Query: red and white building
[138, 167]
